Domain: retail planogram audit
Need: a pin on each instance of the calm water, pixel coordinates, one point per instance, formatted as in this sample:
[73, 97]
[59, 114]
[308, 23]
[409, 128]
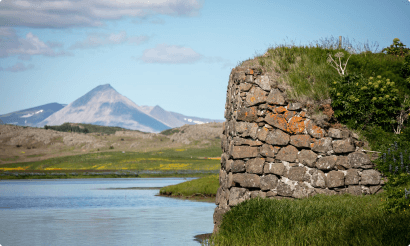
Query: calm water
[88, 212]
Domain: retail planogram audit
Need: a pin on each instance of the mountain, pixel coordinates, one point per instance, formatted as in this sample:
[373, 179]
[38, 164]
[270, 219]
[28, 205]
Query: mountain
[104, 106]
[31, 116]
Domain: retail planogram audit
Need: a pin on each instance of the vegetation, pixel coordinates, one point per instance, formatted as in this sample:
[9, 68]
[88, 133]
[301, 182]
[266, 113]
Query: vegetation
[206, 187]
[169, 132]
[320, 220]
[164, 160]
[370, 94]
[86, 128]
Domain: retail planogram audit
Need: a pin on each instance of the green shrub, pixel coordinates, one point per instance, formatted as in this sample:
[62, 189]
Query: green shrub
[358, 102]
[397, 48]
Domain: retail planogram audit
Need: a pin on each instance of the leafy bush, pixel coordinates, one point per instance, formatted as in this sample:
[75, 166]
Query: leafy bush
[358, 102]
[397, 48]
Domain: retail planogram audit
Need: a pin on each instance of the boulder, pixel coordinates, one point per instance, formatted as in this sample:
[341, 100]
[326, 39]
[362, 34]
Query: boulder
[326, 163]
[274, 168]
[288, 153]
[307, 157]
[255, 165]
[277, 137]
[335, 179]
[247, 180]
[268, 182]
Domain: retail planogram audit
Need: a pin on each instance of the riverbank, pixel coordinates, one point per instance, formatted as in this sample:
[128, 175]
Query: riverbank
[203, 189]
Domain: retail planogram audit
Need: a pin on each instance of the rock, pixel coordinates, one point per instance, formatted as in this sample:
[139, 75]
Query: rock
[248, 114]
[343, 146]
[268, 182]
[325, 191]
[336, 133]
[237, 195]
[262, 133]
[240, 152]
[307, 157]
[228, 165]
[322, 145]
[256, 96]
[289, 114]
[300, 141]
[354, 190]
[239, 77]
[267, 150]
[249, 78]
[241, 141]
[277, 137]
[271, 193]
[296, 125]
[375, 189]
[335, 179]
[276, 97]
[255, 165]
[326, 163]
[247, 180]
[263, 82]
[343, 162]
[277, 120]
[318, 179]
[352, 177]
[370, 177]
[358, 159]
[218, 215]
[288, 153]
[314, 130]
[302, 191]
[284, 189]
[294, 106]
[238, 166]
[296, 173]
[275, 168]
[245, 87]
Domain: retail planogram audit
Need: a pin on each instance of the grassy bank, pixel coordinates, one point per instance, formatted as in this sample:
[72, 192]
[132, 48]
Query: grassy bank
[203, 189]
[320, 220]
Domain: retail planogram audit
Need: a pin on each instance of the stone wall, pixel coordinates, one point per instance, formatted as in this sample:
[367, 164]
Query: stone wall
[279, 149]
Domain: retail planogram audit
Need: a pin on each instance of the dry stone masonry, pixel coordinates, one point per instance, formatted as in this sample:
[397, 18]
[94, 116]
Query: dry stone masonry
[274, 148]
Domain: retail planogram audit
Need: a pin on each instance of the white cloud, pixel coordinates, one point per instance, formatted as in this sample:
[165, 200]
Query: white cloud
[163, 53]
[18, 67]
[26, 47]
[100, 39]
[64, 13]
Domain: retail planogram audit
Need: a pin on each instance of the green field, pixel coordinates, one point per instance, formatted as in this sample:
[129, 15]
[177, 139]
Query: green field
[169, 159]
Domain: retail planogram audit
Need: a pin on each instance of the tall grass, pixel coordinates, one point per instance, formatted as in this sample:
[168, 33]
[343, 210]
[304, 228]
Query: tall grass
[320, 220]
[206, 186]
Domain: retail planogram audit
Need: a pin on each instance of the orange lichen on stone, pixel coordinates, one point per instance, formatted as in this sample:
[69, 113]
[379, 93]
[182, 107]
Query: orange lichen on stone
[277, 120]
[280, 109]
[252, 99]
[250, 71]
[302, 114]
[296, 125]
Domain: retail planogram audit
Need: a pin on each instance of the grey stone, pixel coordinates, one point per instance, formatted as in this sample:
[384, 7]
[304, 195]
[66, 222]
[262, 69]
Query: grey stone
[284, 189]
[343, 146]
[255, 165]
[358, 159]
[325, 191]
[242, 141]
[218, 215]
[294, 106]
[318, 179]
[343, 162]
[370, 177]
[314, 130]
[249, 78]
[238, 166]
[352, 177]
[288, 153]
[262, 133]
[256, 96]
[336, 133]
[247, 180]
[322, 145]
[307, 157]
[354, 190]
[296, 173]
[335, 179]
[237, 195]
[277, 120]
[269, 182]
[240, 152]
[229, 164]
[326, 163]
[276, 97]
[263, 82]
[375, 189]
[257, 193]
[245, 87]
[300, 141]
[267, 150]
[277, 137]
[222, 197]
[275, 168]
[248, 114]
[302, 191]
[271, 193]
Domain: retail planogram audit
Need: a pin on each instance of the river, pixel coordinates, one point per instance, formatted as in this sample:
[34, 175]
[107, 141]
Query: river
[98, 212]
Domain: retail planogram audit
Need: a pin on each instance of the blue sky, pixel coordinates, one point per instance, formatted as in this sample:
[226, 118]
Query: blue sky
[177, 54]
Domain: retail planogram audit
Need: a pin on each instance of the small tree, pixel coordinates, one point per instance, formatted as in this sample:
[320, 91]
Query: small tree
[397, 48]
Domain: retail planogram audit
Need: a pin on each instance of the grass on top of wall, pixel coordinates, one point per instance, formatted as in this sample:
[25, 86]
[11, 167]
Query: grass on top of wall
[319, 220]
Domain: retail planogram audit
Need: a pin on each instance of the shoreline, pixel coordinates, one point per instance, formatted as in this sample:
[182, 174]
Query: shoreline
[195, 197]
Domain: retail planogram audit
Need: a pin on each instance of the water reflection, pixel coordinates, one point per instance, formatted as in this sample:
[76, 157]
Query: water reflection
[90, 212]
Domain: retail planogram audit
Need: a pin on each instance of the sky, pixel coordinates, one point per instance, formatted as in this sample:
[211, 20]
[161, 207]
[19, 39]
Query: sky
[177, 54]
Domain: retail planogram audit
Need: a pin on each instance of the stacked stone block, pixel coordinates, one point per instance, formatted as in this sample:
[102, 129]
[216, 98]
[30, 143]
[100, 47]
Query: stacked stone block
[273, 148]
